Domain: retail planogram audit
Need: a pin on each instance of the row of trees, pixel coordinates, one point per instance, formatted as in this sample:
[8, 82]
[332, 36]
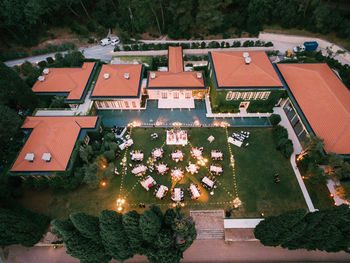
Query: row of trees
[25, 21]
[326, 230]
[160, 237]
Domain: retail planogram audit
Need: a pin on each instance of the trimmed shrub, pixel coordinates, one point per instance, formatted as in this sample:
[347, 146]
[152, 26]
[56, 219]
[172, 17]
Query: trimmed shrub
[275, 119]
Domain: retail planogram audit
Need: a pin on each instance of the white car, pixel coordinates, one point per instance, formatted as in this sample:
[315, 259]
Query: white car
[105, 41]
[300, 48]
[115, 41]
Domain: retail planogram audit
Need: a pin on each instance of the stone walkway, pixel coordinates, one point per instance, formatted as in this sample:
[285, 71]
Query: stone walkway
[297, 150]
[331, 187]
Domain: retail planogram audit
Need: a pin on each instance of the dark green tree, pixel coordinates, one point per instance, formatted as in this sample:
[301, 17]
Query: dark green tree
[78, 246]
[133, 231]
[87, 225]
[325, 230]
[114, 238]
[18, 225]
[150, 224]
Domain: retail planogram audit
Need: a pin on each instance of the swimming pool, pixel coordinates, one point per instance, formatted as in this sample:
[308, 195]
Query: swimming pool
[182, 117]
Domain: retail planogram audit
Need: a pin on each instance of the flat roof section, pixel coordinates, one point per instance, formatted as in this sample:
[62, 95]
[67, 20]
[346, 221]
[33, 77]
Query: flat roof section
[54, 135]
[324, 101]
[231, 70]
[118, 81]
[175, 60]
[65, 80]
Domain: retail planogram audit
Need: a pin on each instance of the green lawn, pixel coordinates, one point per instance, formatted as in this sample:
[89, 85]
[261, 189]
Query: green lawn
[253, 177]
[133, 59]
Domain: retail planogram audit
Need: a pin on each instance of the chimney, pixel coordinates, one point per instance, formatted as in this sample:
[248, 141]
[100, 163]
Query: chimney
[41, 78]
[153, 75]
[126, 75]
[106, 75]
[199, 75]
[247, 60]
[46, 71]
[29, 157]
[245, 54]
[46, 157]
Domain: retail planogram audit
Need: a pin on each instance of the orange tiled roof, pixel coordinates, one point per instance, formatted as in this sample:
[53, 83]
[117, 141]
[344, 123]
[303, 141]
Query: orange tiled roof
[54, 135]
[324, 100]
[176, 77]
[175, 60]
[232, 71]
[117, 85]
[67, 80]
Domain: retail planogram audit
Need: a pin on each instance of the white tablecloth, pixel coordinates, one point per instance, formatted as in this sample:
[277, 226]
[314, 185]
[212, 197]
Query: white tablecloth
[137, 156]
[208, 182]
[177, 155]
[234, 142]
[215, 169]
[176, 137]
[161, 168]
[194, 191]
[157, 153]
[196, 153]
[192, 168]
[216, 154]
[177, 194]
[161, 191]
[145, 183]
[139, 169]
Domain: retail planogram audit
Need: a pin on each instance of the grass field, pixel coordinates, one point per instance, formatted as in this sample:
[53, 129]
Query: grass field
[134, 59]
[252, 179]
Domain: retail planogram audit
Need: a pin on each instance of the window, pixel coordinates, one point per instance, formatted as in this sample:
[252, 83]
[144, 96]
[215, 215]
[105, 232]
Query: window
[247, 95]
[120, 104]
[133, 104]
[106, 104]
[164, 95]
[266, 95]
[243, 95]
[229, 95]
[126, 104]
[99, 104]
[253, 96]
[258, 97]
[113, 104]
[175, 95]
[188, 95]
[235, 95]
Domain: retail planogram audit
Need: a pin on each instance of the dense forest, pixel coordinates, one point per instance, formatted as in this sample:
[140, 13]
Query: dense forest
[25, 22]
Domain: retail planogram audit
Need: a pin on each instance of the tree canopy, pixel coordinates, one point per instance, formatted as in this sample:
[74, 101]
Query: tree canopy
[326, 230]
[160, 237]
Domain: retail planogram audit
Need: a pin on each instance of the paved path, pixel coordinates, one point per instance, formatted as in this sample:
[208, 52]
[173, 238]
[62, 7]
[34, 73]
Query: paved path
[331, 187]
[201, 251]
[297, 150]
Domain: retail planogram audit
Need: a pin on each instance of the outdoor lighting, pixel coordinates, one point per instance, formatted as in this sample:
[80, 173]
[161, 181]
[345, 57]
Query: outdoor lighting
[104, 166]
[182, 204]
[120, 203]
[103, 183]
[331, 195]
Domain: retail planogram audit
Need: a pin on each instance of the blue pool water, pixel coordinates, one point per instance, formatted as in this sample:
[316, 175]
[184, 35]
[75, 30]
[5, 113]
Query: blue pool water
[164, 117]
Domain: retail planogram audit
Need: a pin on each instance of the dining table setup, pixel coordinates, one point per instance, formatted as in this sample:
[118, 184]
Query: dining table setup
[177, 174]
[208, 182]
[177, 155]
[197, 152]
[157, 153]
[177, 194]
[162, 168]
[216, 169]
[192, 168]
[217, 155]
[148, 182]
[139, 170]
[161, 191]
[194, 191]
[137, 155]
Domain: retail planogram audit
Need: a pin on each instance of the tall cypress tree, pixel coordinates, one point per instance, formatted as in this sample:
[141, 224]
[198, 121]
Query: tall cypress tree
[87, 225]
[327, 230]
[78, 246]
[21, 226]
[113, 235]
[150, 224]
[133, 231]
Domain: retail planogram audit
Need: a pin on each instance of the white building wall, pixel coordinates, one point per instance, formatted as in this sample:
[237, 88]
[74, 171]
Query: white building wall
[174, 94]
[127, 104]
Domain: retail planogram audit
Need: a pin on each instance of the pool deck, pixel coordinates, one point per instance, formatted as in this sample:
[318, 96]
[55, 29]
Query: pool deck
[153, 116]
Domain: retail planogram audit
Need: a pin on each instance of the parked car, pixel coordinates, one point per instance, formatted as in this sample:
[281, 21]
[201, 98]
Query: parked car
[105, 41]
[115, 41]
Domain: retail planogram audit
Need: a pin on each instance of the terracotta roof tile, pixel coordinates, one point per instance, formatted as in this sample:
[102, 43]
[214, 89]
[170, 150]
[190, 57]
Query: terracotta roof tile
[232, 71]
[324, 100]
[175, 59]
[66, 80]
[117, 85]
[176, 77]
[54, 135]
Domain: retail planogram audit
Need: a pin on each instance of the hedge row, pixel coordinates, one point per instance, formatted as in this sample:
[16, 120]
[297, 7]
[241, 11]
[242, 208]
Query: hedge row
[195, 45]
[53, 48]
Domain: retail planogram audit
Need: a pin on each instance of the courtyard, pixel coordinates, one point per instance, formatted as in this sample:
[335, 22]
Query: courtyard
[251, 179]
